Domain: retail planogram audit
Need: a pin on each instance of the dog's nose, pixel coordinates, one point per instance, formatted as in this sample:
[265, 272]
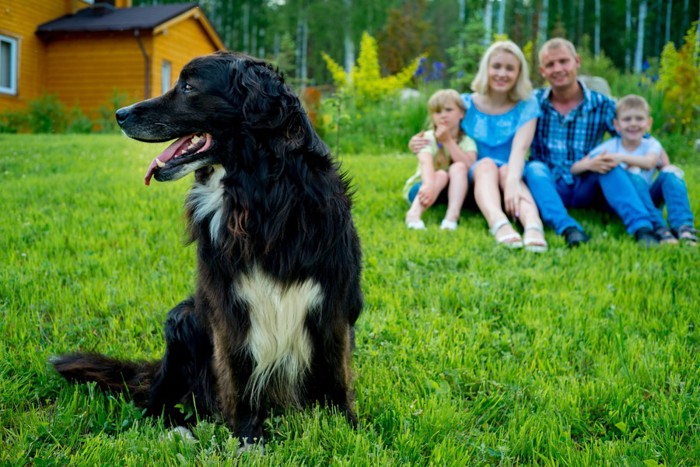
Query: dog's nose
[121, 115]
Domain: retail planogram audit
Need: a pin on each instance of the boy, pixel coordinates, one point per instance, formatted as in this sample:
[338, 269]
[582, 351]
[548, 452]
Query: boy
[641, 156]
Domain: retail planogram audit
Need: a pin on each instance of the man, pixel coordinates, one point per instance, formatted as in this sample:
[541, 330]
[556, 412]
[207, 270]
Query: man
[560, 174]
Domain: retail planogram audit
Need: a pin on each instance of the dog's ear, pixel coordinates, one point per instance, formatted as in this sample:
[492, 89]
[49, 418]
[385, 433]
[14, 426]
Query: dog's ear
[267, 100]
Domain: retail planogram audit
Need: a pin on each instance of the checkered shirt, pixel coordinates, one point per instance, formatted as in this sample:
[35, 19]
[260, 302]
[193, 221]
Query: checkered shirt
[560, 141]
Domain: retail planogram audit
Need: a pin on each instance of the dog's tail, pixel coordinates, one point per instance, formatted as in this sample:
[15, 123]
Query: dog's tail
[135, 378]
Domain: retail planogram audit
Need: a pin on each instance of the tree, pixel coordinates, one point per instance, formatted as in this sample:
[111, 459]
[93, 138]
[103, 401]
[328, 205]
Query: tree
[405, 36]
[639, 49]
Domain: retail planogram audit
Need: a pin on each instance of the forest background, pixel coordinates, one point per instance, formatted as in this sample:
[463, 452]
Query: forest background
[349, 60]
[294, 33]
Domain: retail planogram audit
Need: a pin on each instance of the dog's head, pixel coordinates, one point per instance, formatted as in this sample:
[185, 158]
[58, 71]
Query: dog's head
[216, 98]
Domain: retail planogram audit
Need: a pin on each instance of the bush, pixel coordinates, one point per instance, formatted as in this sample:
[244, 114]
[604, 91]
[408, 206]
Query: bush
[385, 126]
[365, 80]
[13, 122]
[78, 122]
[679, 80]
[106, 123]
[466, 59]
[47, 115]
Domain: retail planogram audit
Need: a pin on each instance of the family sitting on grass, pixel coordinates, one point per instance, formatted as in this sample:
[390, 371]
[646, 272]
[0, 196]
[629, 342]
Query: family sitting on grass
[483, 139]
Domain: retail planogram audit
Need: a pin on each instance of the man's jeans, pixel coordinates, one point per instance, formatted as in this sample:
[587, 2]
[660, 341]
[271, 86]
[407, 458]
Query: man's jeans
[554, 197]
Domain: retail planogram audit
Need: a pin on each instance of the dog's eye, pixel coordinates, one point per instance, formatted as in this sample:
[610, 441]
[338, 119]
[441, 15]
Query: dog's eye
[187, 87]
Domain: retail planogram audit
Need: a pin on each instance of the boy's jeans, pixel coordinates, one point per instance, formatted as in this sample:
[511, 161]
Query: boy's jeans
[553, 197]
[643, 190]
[669, 187]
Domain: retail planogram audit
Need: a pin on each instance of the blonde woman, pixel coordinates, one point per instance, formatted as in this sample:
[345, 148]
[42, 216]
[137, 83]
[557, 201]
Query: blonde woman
[501, 116]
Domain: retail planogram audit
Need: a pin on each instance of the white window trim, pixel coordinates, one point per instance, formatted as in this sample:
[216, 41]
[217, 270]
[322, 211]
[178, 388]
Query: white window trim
[166, 75]
[12, 89]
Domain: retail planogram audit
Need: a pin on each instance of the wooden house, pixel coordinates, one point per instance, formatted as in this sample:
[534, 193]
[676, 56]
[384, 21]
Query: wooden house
[87, 53]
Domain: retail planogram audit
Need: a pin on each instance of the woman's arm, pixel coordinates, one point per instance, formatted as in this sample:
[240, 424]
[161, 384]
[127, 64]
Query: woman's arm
[516, 164]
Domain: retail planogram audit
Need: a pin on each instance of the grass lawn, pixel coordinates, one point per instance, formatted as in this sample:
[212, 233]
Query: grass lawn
[467, 354]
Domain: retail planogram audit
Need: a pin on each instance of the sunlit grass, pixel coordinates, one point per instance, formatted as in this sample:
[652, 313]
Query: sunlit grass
[467, 354]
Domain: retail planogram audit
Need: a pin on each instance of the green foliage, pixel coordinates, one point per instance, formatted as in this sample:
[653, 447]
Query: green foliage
[106, 122]
[679, 79]
[365, 82]
[467, 354]
[13, 122]
[78, 122]
[384, 126]
[405, 35]
[466, 58]
[47, 114]
[596, 66]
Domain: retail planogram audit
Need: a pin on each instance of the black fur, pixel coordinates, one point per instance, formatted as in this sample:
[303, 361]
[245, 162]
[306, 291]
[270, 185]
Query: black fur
[283, 214]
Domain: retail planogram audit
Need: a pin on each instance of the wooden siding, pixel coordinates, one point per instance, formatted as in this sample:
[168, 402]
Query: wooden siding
[178, 44]
[86, 70]
[19, 20]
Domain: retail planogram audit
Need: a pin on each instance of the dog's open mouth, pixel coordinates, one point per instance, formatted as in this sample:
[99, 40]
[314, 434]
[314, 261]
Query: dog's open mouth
[179, 152]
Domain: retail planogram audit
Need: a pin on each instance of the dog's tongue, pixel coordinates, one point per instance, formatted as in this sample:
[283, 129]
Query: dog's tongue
[165, 156]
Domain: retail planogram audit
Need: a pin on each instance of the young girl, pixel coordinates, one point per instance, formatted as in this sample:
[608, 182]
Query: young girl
[442, 162]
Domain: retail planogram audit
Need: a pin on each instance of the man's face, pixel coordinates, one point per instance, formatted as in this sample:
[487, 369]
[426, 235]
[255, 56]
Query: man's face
[559, 67]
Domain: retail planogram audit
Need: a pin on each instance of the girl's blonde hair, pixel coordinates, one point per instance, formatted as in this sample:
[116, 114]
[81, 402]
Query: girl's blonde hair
[523, 86]
[436, 103]
[440, 99]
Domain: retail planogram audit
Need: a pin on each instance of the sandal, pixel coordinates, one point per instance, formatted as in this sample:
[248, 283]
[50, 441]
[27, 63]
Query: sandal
[535, 245]
[415, 225]
[665, 236]
[513, 240]
[448, 225]
[686, 234]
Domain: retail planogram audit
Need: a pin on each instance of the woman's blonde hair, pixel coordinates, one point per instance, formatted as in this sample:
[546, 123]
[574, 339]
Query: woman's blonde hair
[523, 86]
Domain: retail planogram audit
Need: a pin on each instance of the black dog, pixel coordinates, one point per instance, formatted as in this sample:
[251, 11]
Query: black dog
[278, 283]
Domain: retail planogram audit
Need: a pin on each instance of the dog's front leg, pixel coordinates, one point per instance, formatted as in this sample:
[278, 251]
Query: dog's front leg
[233, 370]
[331, 375]
[249, 426]
[184, 369]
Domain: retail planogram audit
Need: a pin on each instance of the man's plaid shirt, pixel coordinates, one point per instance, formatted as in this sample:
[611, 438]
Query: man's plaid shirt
[560, 141]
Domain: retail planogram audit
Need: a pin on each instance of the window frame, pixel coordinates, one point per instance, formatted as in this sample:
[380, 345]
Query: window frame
[166, 72]
[14, 62]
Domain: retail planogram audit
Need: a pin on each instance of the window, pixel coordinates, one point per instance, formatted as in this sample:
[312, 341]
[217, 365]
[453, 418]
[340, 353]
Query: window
[165, 76]
[8, 65]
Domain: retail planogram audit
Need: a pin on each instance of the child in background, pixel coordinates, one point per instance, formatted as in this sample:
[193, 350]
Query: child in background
[641, 156]
[443, 163]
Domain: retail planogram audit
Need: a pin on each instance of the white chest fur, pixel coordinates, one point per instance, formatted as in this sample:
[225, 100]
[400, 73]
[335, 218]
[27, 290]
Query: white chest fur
[278, 341]
[208, 199]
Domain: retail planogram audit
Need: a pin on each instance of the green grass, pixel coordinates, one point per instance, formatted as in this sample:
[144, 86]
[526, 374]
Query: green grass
[467, 354]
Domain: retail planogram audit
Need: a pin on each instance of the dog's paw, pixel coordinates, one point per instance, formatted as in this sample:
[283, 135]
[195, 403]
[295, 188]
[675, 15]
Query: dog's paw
[182, 434]
[256, 446]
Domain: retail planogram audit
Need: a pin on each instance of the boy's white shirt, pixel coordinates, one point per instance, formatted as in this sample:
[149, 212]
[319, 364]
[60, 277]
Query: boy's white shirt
[648, 145]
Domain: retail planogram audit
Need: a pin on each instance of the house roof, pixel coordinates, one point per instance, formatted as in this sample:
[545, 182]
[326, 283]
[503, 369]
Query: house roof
[107, 18]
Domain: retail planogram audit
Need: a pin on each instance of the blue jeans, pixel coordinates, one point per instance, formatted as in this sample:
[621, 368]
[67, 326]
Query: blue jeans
[643, 190]
[669, 187]
[553, 197]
